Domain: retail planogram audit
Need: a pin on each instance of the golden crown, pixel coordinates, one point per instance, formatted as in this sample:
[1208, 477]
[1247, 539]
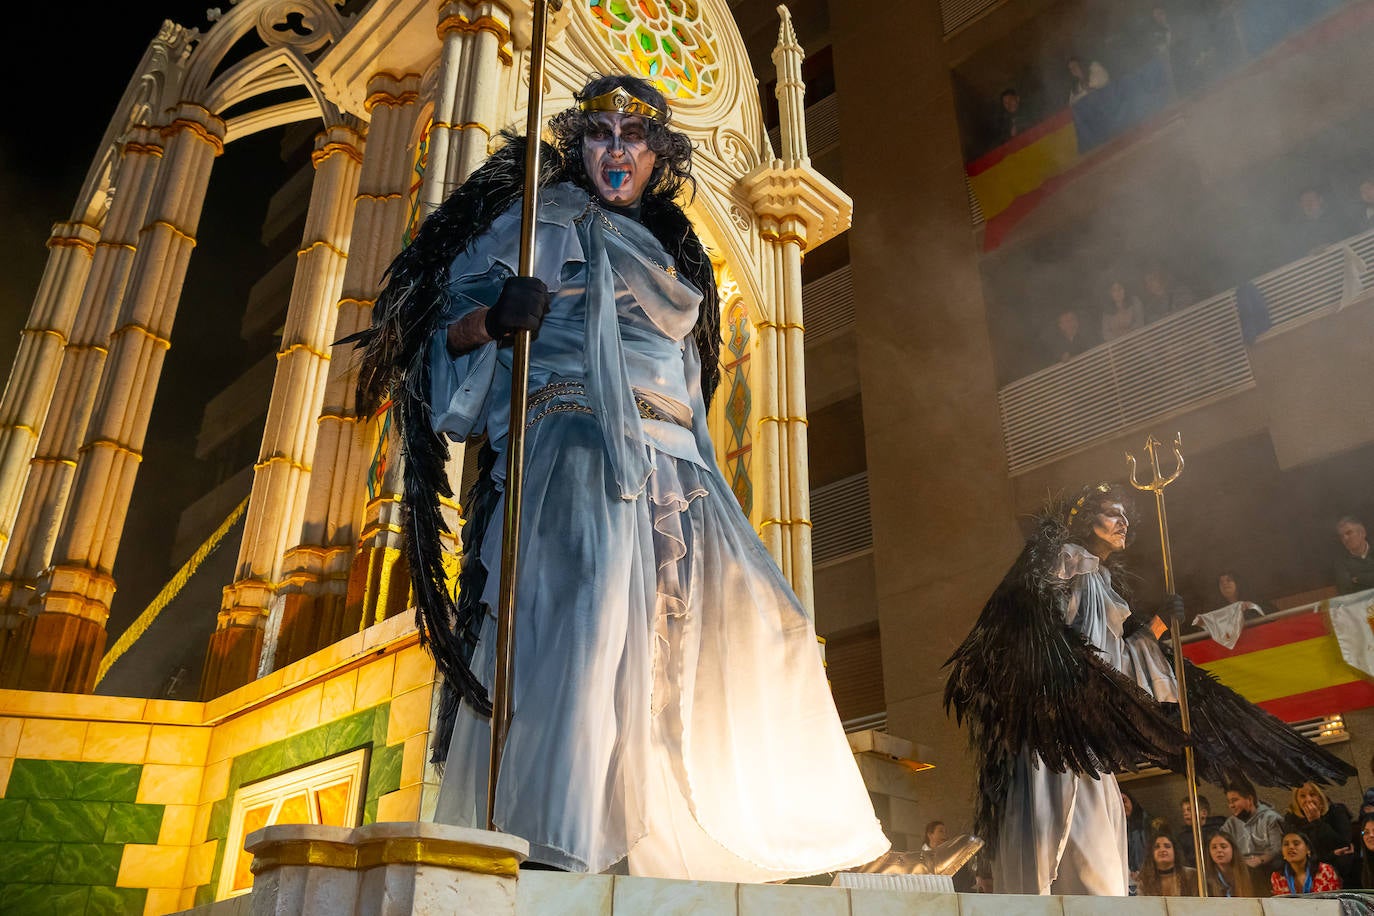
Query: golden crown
[1078, 503]
[623, 101]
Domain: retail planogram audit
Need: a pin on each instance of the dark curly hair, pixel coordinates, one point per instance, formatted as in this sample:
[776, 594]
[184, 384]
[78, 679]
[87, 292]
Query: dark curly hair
[1080, 516]
[673, 169]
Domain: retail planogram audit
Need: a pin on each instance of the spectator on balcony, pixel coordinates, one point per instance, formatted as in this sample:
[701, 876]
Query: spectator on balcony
[1300, 872]
[1227, 875]
[1228, 586]
[1365, 848]
[1091, 79]
[1012, 118]
[1210, 824]
[1162, 295]
[1123, 314]
[1163, 875]
[1364, 208]
[1316, 225]
[1354, 567]
[1137, 834]
[1067, 339]
[1257, 827]
[1325, 823]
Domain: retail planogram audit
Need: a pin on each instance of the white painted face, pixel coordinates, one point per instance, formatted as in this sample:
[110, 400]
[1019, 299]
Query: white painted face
[616, 154]
[1111, 525]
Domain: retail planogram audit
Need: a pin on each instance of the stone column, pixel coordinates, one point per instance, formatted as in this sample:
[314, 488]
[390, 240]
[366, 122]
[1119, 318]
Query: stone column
[68, 636]
[281, 477]
[51, 470]
[34, 373]
[797, 208]
[316, 606]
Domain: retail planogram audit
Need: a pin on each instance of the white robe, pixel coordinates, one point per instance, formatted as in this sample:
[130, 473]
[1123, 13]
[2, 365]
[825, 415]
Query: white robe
[671, 712]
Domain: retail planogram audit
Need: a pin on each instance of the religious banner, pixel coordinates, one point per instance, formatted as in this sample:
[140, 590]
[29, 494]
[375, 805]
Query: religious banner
[1352, 620]
[1292, 667]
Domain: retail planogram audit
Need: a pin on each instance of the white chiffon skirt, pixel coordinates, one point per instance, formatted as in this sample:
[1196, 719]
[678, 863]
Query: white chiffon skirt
[670, 706]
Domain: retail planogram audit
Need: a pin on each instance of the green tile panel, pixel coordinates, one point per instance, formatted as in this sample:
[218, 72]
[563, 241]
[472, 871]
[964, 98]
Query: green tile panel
[116, 901]
[47, 821]
[27, 863]
[72, 900]
[44, 899]
[384, 774]
[70, 779]
[129, 823]
[88, 863]
[11, 816]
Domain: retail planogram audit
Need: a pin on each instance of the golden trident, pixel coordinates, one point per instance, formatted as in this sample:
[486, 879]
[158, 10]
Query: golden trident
[1156, 486]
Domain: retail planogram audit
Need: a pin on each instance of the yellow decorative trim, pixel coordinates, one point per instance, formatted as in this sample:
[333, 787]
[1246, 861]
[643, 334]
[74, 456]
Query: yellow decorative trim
[376, 528]
[363, 195]
[97, 348]
[279, 459]
[71, 241]
[785, 521]
[356, 301]
[43, 332]
[469, 857]
[382, 97]
[179, 233]
[111, 444]
[321, 354]
[23, 427]
[802, 420]
[340, 417]
[329, 149]
[447, 502]
[52, 459]
[320, 243]
[104, 244]
[151, 149]
[789, 326]
[465, 125]
[195, 127]
[464, 25]
[168, 592]
[768, 235]
[147, 332]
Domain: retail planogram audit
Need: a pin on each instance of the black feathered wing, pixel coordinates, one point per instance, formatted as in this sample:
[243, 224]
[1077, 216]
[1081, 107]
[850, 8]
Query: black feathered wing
[1232, 738]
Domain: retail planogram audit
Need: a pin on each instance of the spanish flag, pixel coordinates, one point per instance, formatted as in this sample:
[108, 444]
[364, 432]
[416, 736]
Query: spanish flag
[1291, 667]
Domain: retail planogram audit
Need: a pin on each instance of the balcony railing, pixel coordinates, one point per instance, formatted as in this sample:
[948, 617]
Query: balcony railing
[828, 305]
[842, 525]
[1179, 363]
[822, 127]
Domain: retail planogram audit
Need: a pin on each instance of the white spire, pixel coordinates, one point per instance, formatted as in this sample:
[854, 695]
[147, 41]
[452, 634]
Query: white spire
[791, 91]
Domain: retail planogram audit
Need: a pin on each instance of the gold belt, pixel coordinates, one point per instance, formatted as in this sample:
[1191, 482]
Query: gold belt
[540, 405]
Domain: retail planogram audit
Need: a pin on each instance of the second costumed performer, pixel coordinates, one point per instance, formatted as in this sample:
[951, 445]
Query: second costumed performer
[671, 713]
[1062, 687]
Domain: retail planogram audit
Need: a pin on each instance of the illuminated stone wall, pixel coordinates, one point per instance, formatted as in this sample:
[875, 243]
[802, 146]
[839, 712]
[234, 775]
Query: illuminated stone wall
[122, 805]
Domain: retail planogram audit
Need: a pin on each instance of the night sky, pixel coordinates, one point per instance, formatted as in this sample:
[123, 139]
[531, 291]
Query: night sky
[80, 56]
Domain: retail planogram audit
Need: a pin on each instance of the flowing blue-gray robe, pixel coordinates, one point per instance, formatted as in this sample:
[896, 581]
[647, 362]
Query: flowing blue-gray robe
[670, 706]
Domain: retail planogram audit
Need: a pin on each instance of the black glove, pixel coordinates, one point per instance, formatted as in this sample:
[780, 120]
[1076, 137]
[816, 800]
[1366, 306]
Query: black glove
[1172, 608]
[522, 305]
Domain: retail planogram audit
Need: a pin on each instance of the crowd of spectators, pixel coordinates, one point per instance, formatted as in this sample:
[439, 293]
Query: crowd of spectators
[1157, 52]
[1129, 303]
[1257, 852]
[1122, 311]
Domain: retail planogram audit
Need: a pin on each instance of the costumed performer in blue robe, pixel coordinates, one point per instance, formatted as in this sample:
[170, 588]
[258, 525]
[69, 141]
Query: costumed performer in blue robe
[671, 715]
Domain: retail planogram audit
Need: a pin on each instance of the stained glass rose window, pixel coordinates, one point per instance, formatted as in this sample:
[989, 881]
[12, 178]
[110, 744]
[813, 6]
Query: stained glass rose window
[666, 41]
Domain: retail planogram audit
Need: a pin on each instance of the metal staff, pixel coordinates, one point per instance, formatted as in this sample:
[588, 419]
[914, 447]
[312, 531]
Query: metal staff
[519, 404]
[1156, 486]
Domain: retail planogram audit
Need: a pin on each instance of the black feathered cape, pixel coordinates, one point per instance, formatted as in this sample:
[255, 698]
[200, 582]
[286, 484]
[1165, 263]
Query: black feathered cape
[395, 365]
[1023, 680]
